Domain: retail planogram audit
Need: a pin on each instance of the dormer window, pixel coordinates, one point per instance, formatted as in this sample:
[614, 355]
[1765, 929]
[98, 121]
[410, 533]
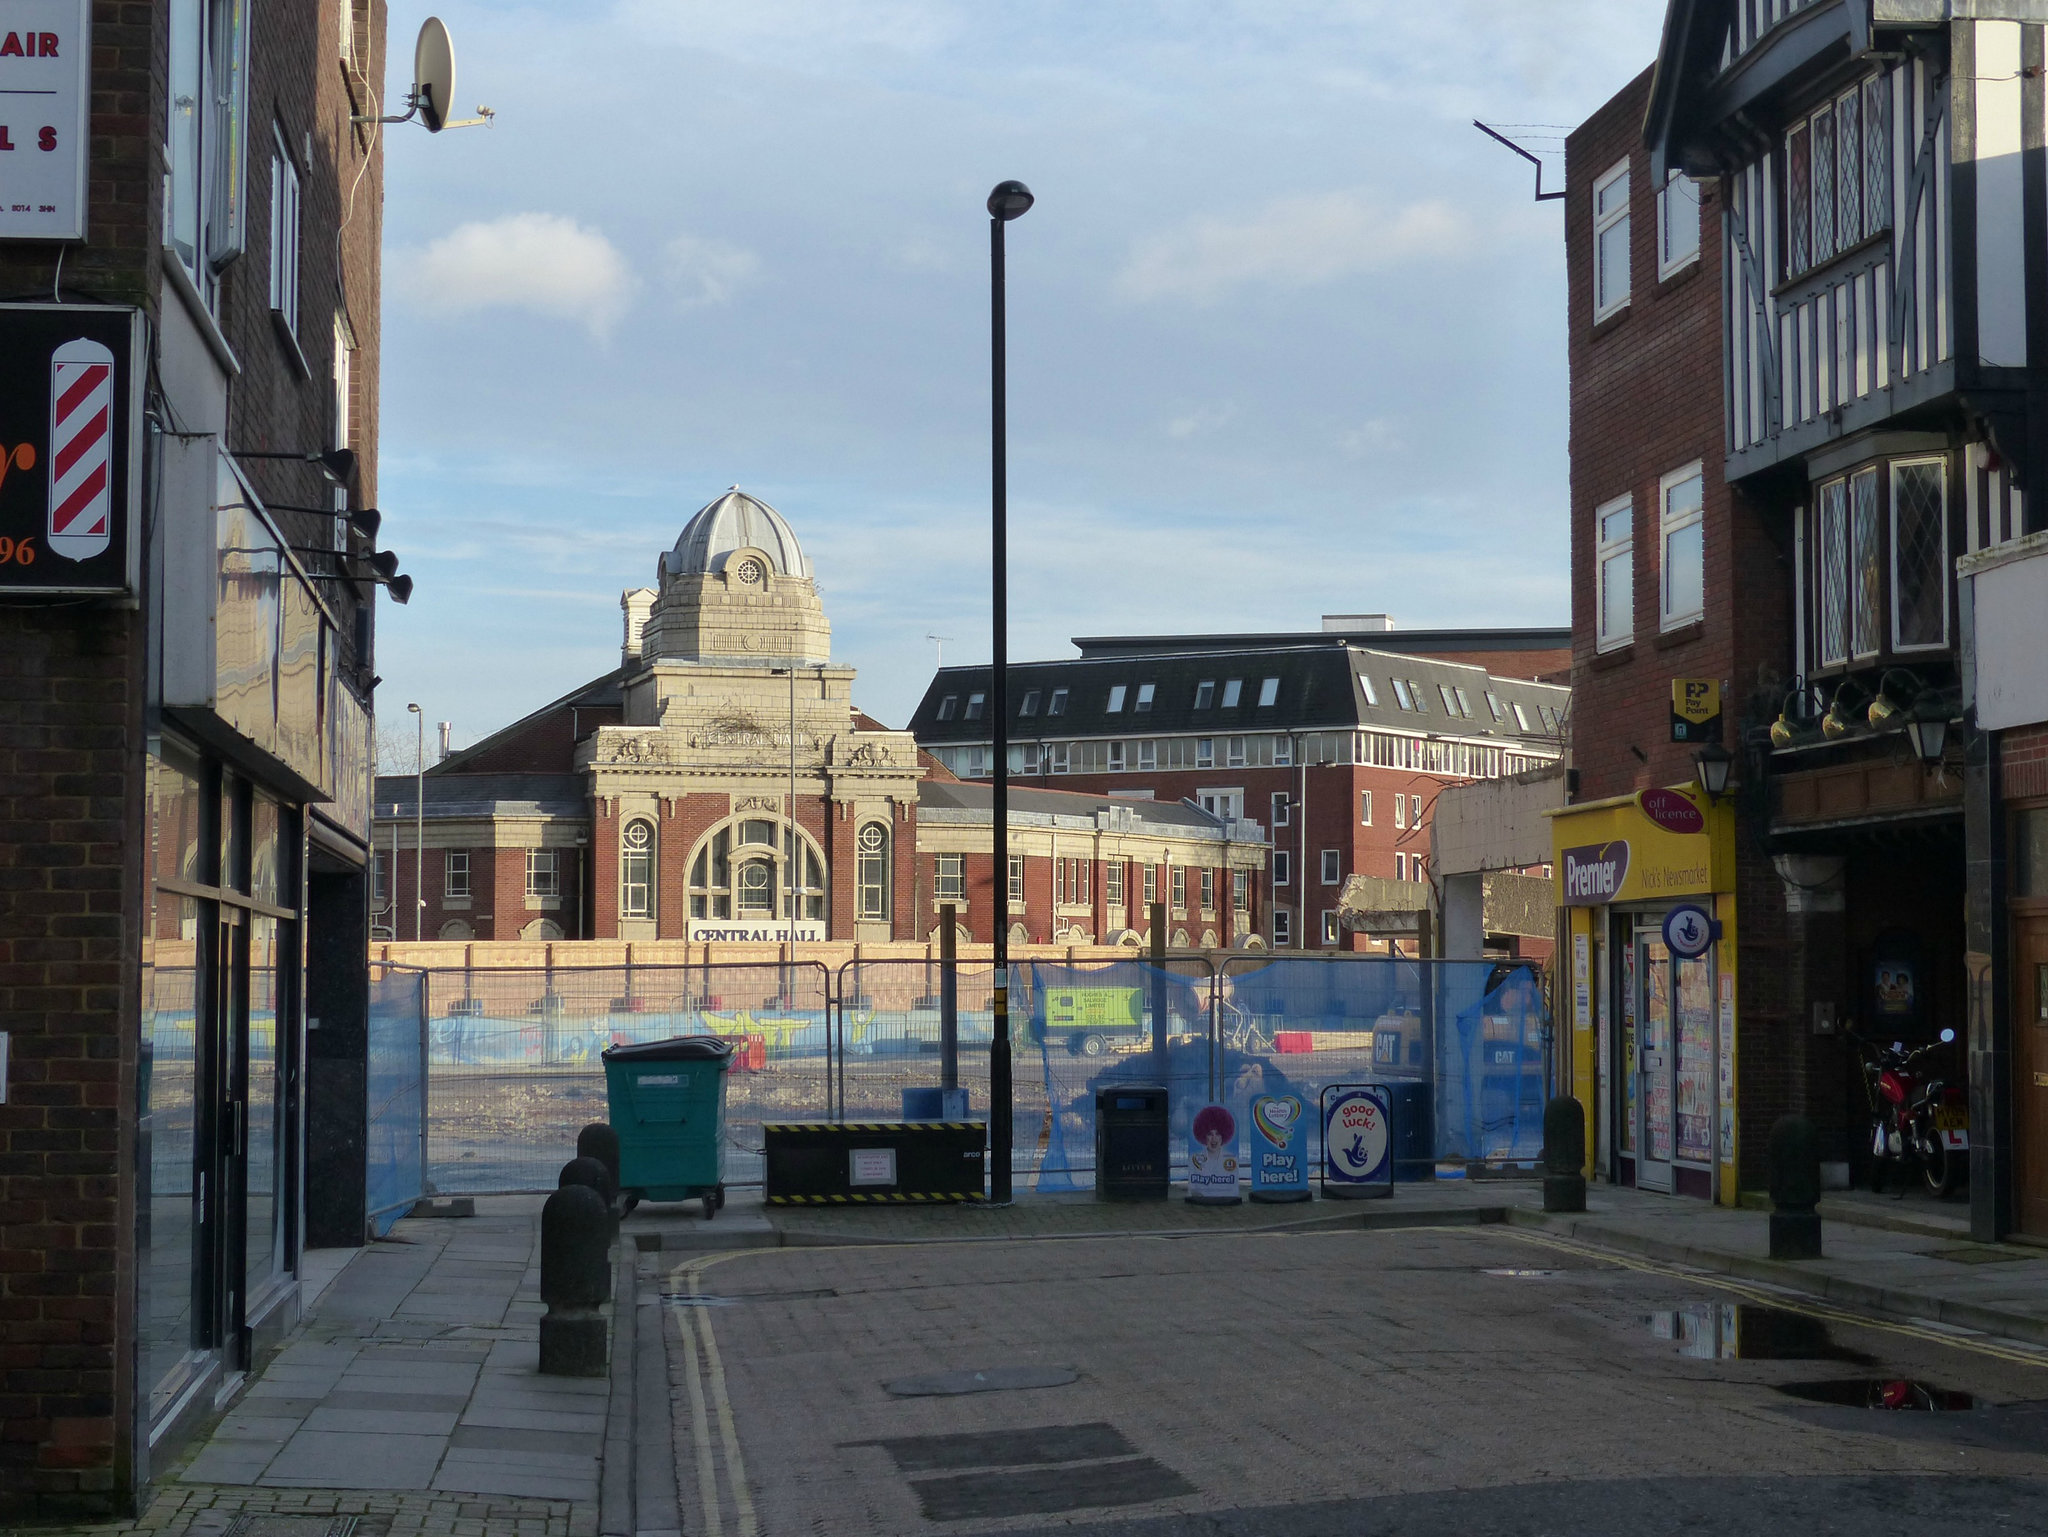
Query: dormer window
[949, 706]
[974, 704]
[1116, 699]
[1205, 694]
[1030, 704]
[1144, 698]
[1269, 692]
[1402, 697]
[1365, 687]
[1057, 705]
[1232, 692]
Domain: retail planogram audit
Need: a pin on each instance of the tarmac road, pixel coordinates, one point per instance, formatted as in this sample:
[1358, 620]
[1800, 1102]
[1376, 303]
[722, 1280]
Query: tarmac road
[1471, 1381]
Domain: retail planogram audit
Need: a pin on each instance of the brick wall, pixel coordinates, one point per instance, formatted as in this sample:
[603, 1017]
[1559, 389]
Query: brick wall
[2023, 762]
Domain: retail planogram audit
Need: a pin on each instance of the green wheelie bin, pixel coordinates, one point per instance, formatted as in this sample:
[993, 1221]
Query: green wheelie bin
[668, 1108]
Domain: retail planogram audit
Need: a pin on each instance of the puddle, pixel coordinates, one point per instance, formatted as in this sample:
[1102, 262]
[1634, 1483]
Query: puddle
[1896, 1393]
[1524, 1275]
[1746, 1331]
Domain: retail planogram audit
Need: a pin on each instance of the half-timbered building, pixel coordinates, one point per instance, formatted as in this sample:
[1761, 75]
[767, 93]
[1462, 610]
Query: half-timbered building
[1883, 277]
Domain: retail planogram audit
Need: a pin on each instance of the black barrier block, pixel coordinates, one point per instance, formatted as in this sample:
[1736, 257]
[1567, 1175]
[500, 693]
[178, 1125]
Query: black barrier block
[812, 1163]
[575, 1279]
[599, 1141]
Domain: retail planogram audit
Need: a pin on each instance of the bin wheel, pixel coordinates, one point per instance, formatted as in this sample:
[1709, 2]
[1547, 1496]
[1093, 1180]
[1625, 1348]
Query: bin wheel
[627, 1202]
[710, 1204]
[721, 1197]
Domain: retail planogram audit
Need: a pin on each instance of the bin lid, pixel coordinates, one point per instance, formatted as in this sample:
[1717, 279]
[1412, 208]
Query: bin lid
[677, 1048]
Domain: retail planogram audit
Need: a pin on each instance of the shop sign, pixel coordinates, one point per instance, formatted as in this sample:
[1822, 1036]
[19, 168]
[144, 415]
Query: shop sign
[45, 78]
[70, 417]
[1695, 709]
[1594, 873]
[768, 931]
[1358, 1142]
[1213, 1165]
[1672, 811]
[1279, 1155]
[1688, 931]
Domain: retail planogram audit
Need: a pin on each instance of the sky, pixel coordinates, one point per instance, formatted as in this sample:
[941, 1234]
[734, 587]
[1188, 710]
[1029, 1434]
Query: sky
[1286, 332]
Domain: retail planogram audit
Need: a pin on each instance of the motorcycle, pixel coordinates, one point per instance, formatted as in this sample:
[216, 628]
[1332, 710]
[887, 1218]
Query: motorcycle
[1914, 1116]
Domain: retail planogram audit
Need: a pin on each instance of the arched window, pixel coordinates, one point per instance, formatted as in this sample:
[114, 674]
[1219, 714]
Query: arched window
[872, 875]
[738, 872]
[636, 870]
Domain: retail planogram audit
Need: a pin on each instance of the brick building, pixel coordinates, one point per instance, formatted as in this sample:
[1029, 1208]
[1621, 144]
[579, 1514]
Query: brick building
[1337, 742]
[184, 709]
[720, 786]
[1838, 408]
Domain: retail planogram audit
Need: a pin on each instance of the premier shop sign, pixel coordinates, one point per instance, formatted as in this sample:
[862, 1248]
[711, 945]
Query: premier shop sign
[1594, 873]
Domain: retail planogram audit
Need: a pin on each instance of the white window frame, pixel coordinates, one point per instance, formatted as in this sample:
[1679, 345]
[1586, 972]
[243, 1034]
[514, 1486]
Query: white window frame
[1282, 808]
[949, 707]
[1146, 693]
[949, 878]
[1177, 888]
[1113, 883]
[1148, 755]
[1116, 757]
[1365, 808]
[1365, 687]
[287, 219]
[1609, 555]
[1205, 694]
[1116, 699]
[543, 873]
[1283, 868]
[1057, 757]
[1233, 752]
[1403, 695]
[1283, 928]
[1400, 867]
[1269, 692]
[1205, 752]
[1945, 566]
[1057, 704]
[1208, 889]
[1333, 867]
[1016, 876]
[455, 873]
[976, 703]
[1233, 692]
[1400, 811]
[1240, 891]
[871, 895]
[1669, 525]
[1678, 197]
[1283, 752]
[1606, 304]
[1415, 813]
[643, 907]
[1332, 933]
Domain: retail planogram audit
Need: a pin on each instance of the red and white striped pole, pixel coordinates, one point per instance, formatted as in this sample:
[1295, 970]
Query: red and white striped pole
[81, 449]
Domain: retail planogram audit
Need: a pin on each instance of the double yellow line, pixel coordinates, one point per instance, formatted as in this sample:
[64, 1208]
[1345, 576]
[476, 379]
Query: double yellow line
[704, 1372]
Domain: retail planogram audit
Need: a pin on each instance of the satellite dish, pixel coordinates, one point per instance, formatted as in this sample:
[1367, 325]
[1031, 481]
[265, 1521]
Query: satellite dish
[433, 74]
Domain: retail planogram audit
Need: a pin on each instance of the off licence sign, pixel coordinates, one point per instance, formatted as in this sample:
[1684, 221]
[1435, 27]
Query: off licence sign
[69, 415]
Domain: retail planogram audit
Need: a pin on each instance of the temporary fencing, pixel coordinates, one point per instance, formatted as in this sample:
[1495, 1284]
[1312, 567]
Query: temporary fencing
[396, 1144]
[515, 1069]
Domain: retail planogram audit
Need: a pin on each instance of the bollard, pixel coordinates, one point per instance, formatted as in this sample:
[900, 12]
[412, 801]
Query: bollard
[592, 1172]
[1794, 1168]
[575, 1279]
[1564, 1155]
[599, 1141]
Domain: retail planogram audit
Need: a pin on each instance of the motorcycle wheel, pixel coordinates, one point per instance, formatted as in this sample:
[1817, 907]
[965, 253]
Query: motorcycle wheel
[1937, 1167]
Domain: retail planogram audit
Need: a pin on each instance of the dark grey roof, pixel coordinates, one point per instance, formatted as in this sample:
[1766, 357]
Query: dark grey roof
[605, 690]
[1538, 639]
[1318, 688]
[953, 795]
[484, 795]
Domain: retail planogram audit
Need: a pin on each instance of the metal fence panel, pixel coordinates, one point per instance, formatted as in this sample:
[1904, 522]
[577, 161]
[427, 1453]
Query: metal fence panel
[395, 1141]
[517, 1071]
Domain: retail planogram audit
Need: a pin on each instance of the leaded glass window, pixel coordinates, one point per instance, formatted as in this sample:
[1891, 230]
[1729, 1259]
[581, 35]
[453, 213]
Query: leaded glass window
[1798, 208]
[1919, 555]
[1823, 187]
[1833, 563]
[1877, 154]
[1849, 178]
[1866, 575]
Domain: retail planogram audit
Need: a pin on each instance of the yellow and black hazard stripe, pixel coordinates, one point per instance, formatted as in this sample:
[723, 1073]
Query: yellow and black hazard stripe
[894, 1198]
[787, 1127]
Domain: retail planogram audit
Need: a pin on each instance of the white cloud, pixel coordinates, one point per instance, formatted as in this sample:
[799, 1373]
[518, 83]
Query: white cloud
[1370, 439]
[532, 261]
[707, 271]
[1203, 420]
[1292, 242]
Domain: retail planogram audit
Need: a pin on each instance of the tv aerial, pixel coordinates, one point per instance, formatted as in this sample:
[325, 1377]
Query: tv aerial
[433, 84]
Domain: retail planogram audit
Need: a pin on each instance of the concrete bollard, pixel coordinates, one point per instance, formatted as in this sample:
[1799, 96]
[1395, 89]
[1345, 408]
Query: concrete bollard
[575, 1279]
[599, 1141]
[592, 1172]
[1794, 1168]
[1564, 1155]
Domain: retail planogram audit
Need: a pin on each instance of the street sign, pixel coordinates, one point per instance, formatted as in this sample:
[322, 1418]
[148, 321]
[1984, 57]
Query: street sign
[1279, 1155]
[1358, 1140]
[70, 466]
[1695, 709]
[1688, 930]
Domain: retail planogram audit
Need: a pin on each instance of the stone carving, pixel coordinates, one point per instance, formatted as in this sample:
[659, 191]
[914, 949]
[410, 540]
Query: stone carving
[868, 755]
[769, 803]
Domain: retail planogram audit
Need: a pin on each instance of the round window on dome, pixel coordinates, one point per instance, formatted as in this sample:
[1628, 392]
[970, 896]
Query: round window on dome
[751, 572]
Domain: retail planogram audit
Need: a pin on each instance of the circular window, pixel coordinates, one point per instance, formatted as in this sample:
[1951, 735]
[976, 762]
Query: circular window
[638, 835]
[872, 838]
[751, 572]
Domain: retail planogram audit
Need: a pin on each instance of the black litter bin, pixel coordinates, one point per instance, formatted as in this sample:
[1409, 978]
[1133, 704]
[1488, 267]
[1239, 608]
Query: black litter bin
[1414, 1118]
[1131, 1157]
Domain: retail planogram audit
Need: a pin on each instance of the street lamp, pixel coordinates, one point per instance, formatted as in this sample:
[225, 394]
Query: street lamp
[1008, 200]
[1713, 762]
[419, 830]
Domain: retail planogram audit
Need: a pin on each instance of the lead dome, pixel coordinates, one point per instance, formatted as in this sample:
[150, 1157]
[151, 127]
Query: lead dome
[735, 521]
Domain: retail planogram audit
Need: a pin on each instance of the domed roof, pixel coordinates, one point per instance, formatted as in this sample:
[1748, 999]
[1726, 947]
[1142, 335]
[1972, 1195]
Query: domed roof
[735, 521]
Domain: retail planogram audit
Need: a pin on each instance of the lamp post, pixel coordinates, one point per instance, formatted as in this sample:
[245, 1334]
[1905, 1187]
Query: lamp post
[1009, 200]
[419, 829]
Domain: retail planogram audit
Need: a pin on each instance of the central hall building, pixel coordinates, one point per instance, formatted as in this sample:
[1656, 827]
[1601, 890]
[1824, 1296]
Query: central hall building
[720, 786]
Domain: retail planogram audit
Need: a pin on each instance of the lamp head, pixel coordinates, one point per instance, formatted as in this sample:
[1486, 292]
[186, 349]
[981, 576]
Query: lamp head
[401, 591]
[1009, 200]
[412, 709]
[339, 464]
[1713, 762]
[384, 563]
[1930, 737]
[366, 521]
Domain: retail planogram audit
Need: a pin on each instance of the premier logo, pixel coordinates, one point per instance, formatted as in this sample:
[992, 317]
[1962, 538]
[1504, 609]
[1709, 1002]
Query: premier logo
[1593, 873]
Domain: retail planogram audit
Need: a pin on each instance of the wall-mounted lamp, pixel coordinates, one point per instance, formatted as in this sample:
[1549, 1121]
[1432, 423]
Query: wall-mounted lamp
[364, 520]
[1930, 736]
[1895, 693]
[1712, 763]
[338, 464]
[1849, 696]
[1792, 719]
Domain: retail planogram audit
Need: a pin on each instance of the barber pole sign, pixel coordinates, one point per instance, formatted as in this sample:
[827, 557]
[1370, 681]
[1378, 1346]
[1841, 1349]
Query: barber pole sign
[70, 469]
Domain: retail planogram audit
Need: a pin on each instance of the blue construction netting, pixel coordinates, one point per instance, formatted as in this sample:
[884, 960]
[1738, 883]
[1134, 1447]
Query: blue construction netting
[396, 1143]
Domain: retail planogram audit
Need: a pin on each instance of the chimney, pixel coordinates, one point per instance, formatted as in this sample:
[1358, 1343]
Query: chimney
[1357, 624]
[637, 603]
[447, 727]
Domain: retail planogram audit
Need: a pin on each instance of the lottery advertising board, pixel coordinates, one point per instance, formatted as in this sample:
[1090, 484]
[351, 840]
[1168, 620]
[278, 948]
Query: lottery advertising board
[1279, 1149]
[70, 459]
[1358, 1141]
